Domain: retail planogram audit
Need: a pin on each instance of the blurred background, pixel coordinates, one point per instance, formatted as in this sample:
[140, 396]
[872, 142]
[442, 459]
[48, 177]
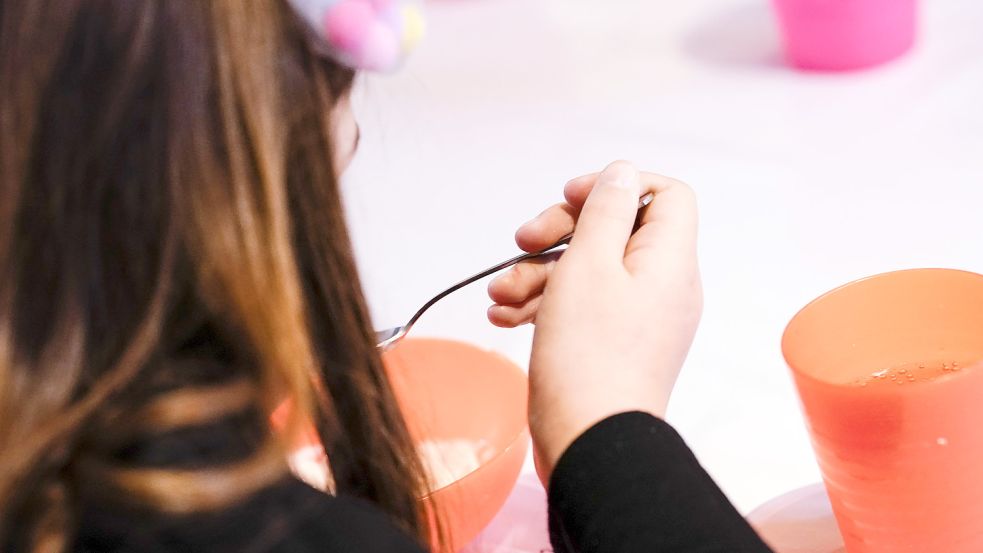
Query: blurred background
[807, 179]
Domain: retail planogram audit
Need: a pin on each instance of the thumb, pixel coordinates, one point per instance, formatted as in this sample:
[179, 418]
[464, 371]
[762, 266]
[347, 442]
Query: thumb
[608, 217]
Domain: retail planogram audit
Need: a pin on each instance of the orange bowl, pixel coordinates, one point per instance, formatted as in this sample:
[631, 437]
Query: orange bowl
[457, 394]
[466, 411]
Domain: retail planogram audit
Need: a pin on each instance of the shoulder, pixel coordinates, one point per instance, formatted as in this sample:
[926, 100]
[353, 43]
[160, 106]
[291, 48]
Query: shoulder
[288, 517]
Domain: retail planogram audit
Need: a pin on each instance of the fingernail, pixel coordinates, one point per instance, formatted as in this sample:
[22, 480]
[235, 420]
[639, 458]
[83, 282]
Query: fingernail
[620, 174]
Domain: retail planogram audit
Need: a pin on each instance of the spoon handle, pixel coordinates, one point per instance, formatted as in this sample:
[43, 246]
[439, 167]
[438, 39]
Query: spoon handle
[487, 272]
[642, 202]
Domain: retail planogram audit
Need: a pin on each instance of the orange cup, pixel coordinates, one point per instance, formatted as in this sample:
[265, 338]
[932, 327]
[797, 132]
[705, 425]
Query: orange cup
[890, 377]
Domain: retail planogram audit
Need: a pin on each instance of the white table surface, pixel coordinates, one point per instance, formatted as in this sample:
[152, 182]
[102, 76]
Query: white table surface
[806, 181]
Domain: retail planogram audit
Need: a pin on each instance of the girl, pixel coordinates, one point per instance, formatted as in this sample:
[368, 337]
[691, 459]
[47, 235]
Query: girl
[174, 262]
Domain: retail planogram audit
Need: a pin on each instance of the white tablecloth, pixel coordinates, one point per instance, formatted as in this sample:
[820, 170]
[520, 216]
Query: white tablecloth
[806, 181]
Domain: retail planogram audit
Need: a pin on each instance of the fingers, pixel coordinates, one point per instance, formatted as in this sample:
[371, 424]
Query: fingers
[608, 216]
[667, 232]
[668, 228]
[522, 281]
[577, 190]
[557, 221]
[548, 227]
[511, 316]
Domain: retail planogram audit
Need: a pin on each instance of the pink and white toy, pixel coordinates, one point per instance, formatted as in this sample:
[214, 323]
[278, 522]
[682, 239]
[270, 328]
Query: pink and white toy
[374, 35]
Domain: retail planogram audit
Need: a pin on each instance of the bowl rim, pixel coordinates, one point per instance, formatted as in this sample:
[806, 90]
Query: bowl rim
[515, 442]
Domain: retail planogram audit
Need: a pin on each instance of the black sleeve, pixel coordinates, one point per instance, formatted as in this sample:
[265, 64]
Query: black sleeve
[631, 485]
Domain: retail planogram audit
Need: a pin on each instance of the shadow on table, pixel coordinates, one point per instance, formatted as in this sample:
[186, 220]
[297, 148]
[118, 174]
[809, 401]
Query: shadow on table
[743, 36]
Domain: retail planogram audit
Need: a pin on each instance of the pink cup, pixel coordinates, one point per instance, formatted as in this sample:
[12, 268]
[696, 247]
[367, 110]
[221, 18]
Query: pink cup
[839, 35]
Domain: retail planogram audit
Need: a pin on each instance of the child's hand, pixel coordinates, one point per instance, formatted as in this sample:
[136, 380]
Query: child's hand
[615, 315]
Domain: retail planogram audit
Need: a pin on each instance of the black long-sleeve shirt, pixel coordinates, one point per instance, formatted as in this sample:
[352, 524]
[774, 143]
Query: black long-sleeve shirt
[629, 484]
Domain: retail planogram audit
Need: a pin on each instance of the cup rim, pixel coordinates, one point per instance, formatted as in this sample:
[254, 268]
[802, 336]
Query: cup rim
[819, 299]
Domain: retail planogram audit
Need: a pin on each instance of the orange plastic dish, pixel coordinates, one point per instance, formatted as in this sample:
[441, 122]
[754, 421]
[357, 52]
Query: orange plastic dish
[454, 392]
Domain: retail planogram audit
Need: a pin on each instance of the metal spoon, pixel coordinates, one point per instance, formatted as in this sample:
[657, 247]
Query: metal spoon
[388, 338]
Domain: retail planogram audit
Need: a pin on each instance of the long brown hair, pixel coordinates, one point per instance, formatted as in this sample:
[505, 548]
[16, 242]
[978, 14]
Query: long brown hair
[168, 204]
